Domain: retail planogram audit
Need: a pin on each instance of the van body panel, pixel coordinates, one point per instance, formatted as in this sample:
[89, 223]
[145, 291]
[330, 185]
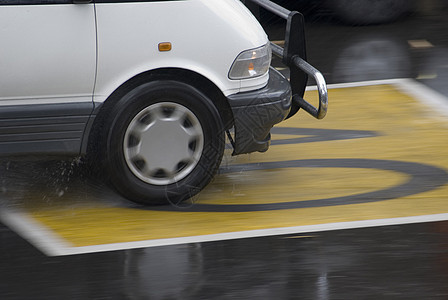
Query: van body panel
[206, 38]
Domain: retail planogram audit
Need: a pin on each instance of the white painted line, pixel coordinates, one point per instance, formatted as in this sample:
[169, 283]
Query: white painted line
[394, 81]
[66, 250]
[424, 94]
[420, 92]
[423, 76]
[420, 44]
[41, 237]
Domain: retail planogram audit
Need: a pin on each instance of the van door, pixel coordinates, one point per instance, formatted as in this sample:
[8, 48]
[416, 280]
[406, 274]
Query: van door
[47, 73]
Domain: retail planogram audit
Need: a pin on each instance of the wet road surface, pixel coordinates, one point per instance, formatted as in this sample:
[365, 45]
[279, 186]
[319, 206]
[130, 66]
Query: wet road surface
[379, 155]
[394, 262]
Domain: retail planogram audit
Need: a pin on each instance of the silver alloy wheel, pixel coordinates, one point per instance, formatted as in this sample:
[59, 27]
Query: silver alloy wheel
[163, 143]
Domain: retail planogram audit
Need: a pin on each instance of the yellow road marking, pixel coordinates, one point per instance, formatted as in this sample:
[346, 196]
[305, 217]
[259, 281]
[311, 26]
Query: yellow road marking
[294, 185]
[407, 132]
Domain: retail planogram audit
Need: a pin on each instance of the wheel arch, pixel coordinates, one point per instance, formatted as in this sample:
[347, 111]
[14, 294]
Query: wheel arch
[194, 79]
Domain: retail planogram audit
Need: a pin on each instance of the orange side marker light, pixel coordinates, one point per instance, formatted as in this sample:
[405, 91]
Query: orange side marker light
[163, 47]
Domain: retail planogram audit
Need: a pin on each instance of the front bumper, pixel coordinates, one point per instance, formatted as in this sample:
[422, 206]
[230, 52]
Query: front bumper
[294, 56]
[255, 112]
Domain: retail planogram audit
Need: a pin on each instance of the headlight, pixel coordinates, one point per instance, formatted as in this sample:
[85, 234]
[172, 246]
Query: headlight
[251, 63]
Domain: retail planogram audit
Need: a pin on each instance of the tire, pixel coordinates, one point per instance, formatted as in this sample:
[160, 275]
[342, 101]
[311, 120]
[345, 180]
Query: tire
[164, 143]
[366, 12]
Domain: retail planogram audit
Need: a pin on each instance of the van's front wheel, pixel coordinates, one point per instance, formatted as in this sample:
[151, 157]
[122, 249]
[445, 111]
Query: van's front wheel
[164, 144]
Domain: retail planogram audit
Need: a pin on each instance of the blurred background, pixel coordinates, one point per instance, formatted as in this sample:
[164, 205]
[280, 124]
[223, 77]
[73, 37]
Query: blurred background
[370, 39]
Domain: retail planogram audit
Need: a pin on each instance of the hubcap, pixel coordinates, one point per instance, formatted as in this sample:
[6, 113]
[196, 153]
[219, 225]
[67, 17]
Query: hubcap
[163, 143]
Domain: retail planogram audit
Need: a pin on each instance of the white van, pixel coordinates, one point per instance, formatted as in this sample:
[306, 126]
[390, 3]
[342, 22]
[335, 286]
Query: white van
[145, 89]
